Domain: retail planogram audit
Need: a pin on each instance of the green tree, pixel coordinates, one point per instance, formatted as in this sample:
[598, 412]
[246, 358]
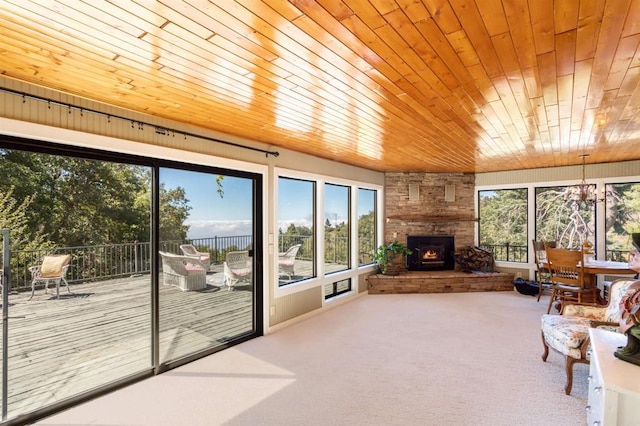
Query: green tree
[13, 216]
[77, 202]
[503, 217]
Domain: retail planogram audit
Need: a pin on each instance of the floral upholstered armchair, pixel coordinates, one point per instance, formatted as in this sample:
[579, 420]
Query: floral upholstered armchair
[568, 333]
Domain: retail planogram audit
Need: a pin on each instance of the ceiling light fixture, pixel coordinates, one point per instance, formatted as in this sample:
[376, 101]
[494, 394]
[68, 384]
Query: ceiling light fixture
[586, 195]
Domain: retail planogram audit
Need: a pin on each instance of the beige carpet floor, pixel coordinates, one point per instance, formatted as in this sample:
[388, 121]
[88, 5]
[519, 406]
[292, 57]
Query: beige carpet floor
[433, 359]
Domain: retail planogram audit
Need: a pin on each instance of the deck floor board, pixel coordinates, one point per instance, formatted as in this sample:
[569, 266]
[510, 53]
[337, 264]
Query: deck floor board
[102, 333]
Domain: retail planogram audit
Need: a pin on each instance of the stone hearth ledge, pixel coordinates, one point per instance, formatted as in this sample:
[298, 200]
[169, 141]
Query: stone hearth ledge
[440, 282]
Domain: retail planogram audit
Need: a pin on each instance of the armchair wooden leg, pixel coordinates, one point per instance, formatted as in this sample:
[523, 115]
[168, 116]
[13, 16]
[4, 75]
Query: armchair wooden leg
[546, 349]
[569, 370]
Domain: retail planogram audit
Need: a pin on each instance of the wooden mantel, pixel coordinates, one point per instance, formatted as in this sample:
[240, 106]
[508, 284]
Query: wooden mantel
[430, 218]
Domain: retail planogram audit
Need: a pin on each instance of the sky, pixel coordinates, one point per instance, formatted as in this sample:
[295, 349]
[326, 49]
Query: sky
[212, 215]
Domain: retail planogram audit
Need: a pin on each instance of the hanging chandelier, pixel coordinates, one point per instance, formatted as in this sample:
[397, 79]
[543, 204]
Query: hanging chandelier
[586, 195]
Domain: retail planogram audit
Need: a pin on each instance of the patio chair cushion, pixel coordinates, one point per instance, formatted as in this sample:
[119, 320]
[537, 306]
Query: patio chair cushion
[52, 265]
[194, 269]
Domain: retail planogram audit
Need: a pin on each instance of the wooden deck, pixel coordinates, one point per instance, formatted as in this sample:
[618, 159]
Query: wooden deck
[102, 332]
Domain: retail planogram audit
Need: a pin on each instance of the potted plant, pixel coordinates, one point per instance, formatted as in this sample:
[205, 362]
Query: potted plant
[391, 258]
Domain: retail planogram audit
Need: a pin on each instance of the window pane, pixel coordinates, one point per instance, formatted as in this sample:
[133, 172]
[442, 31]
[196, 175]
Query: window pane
[206, 243]
[622, 202]
[93, 325]
[562, 217]
[366, 225]
[336, 228]
[503, 223]
[296, 226]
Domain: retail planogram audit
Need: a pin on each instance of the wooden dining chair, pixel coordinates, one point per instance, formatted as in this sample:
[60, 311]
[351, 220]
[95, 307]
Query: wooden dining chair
[540, 255]
[569, 282]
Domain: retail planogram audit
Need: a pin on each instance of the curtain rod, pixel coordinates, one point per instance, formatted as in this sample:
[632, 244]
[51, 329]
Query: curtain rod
[161, 130]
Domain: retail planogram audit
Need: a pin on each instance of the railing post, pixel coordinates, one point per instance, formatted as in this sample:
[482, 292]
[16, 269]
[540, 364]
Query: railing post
[135, 256]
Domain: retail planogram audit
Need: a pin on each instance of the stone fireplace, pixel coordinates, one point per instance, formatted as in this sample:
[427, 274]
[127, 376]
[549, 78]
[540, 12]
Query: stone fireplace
[416, 204]
[430, 253]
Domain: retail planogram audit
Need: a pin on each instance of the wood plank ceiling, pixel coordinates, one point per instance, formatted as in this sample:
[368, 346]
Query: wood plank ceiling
[390, 85]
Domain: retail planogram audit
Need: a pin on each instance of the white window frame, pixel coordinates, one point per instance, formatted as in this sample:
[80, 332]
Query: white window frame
[321, 277]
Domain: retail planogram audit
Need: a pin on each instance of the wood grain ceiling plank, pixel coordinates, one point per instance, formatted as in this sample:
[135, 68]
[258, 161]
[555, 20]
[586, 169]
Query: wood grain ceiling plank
[612, 21]
[547, 69]
[581, 80]
[493, 17]
[415, 10]
[383, 79]
[324, 55]
[565, 52]
[498, 116]
[40, 71]
[507, 54]
[442, 48]
[542, 24]
[121, 8]
[616, 108]
[539, 112]
[483, 82]
[384, 6]
[325, 86]
[553, 115]
[630, 87]
[531, 78]
[565, 95]
[385, 51]
[589, 23]
[240, 35]
[565, 15]
[511, 107]
[178, 44]
[366, 12]
[114, 41]
[635, 62]
[444, 15]
[625, 52]
[178, 13]
[104, 19]
[472, 23]
[417, 52]
[520, 95]
[463, 48]
[93, 64]
[259, 65]
[45, 36]
[588, 128]
[632, 21]
[336, 8]
[520, 27]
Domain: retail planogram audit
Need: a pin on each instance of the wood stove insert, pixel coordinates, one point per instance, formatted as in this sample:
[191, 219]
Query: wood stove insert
[430, 253]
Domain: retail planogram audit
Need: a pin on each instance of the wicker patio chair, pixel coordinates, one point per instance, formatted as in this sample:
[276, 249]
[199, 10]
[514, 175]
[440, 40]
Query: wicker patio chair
[184, 272]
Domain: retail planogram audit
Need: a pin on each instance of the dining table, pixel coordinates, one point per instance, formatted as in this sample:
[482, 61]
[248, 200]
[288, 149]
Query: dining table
[593, 268]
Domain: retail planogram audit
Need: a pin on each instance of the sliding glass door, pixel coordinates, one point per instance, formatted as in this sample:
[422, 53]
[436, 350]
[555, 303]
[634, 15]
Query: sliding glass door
[120, 267]
[79, 296]
[207, 284]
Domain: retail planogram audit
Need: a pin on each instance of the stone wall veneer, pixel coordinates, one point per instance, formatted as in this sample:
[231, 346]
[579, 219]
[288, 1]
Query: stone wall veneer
[430, 204]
